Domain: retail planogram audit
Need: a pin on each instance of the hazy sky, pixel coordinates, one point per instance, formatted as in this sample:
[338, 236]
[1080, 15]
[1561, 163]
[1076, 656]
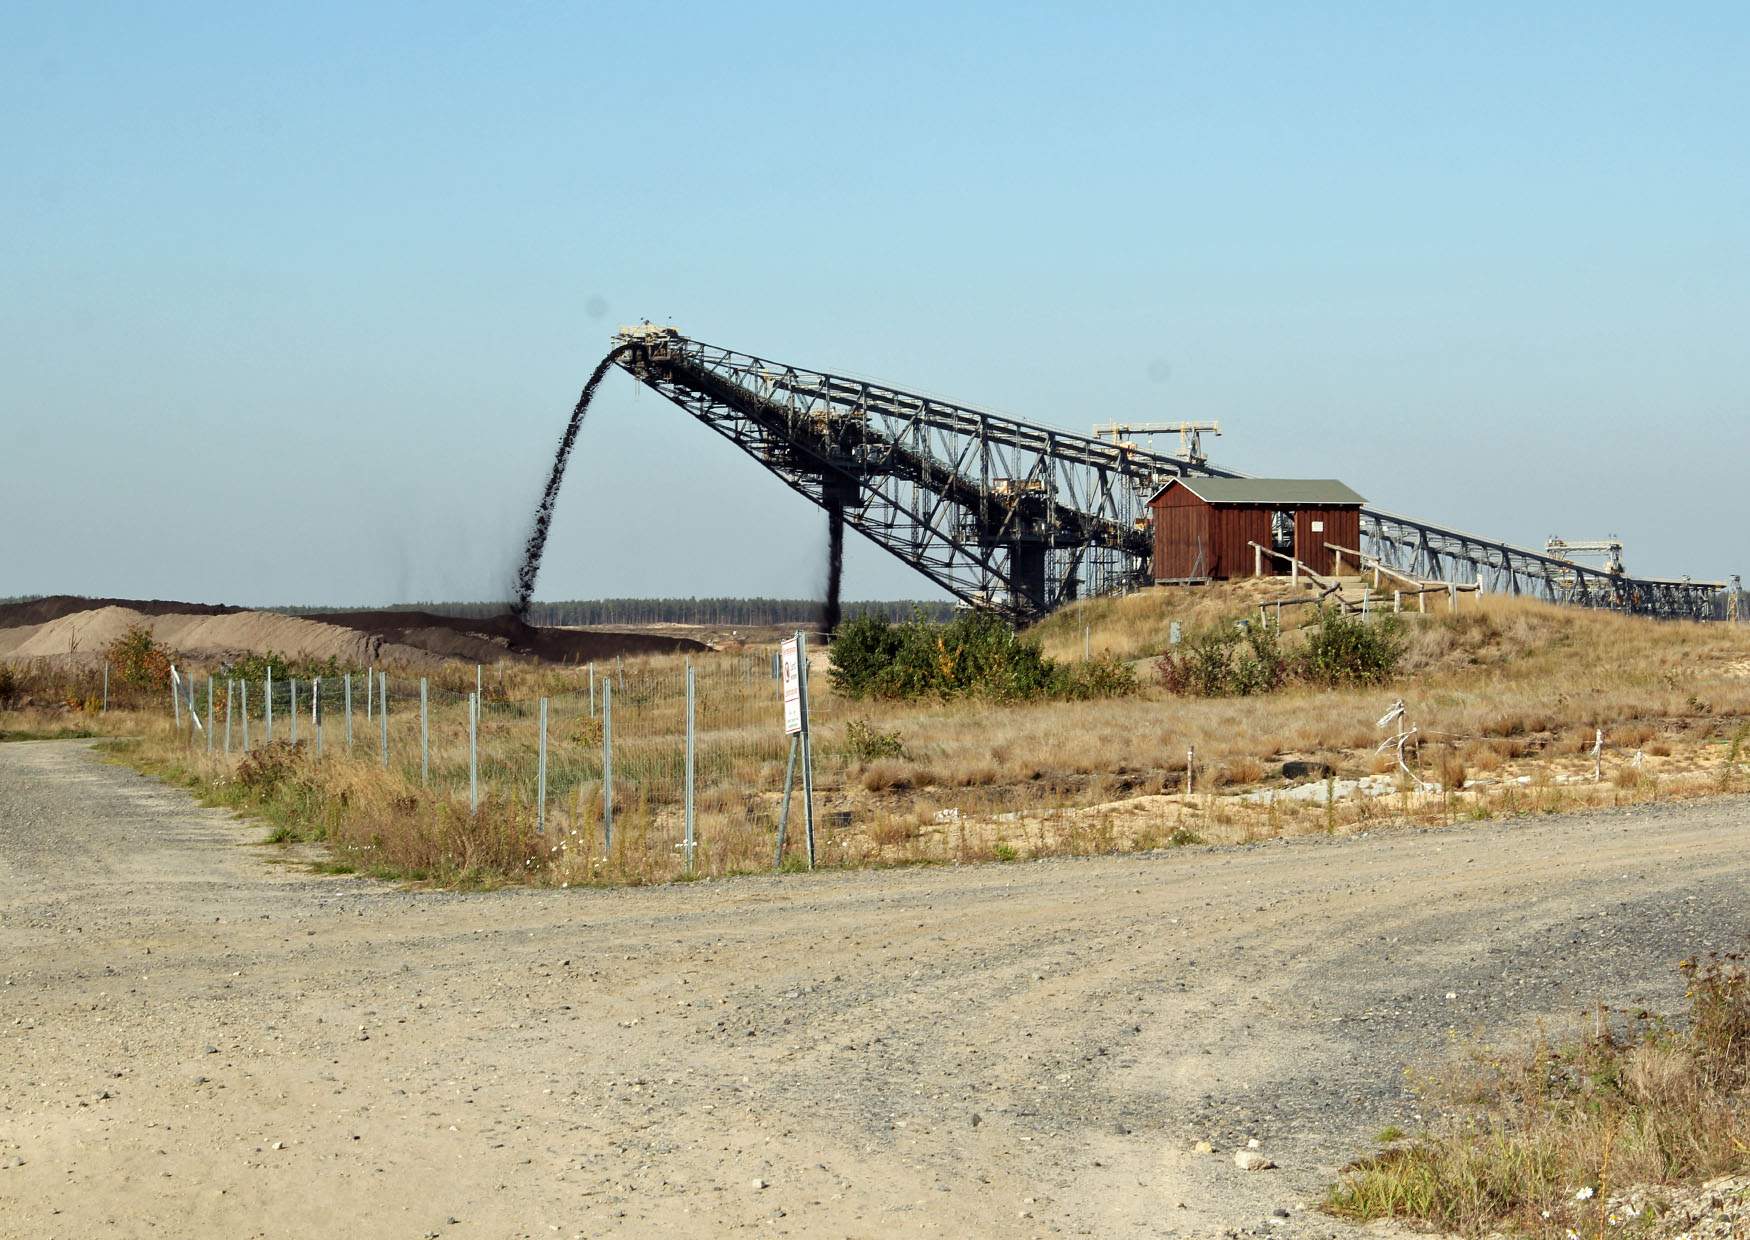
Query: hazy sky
[293, 305]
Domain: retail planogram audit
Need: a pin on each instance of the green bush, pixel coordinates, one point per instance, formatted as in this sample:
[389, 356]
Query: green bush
[253, 667]
[1105, 677]
[864, 742]
[975, 655]
[1346, 650]
[1340, 649]
[861, 652]
[139, 661]
[1228, 661]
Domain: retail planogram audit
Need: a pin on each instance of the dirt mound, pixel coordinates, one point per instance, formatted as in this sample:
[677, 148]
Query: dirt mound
[77, 630]
[82, 636]
[54, 606]
[457, 636]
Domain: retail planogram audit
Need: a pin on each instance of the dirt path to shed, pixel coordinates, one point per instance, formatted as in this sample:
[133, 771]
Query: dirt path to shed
[199, 1041]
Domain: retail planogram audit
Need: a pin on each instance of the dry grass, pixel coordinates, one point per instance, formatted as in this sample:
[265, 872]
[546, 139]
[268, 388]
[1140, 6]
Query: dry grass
[1539, 1139]
[1503, 692]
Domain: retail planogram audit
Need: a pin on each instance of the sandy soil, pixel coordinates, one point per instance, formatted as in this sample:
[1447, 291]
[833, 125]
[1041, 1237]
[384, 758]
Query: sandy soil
[60, 632]
[198, 1040]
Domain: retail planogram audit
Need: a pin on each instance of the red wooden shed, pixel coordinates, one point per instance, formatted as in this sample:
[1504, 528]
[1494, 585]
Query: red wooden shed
[1205, 528]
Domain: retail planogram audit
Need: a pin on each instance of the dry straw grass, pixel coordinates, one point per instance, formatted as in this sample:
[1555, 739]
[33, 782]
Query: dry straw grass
[1506, 690]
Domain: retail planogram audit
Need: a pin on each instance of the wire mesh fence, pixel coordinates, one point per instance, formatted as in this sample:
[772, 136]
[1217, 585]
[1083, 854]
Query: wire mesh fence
[578, 748]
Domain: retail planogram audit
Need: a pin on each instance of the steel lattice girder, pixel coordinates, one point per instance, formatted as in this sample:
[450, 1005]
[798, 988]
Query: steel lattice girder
[1020, 517]
[997, 511]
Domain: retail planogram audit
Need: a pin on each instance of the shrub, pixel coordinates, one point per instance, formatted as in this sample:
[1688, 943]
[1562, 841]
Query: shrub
[1104, 677]
[139, 661]
[975, 655]
[8, 682]
[254, 667]
[864, 742]
[1346, 650]
[862, 650]
[266, 769]
[1227, 661]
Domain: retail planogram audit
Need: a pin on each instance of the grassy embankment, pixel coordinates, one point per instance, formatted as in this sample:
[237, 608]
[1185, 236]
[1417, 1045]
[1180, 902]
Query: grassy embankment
[1506, 695]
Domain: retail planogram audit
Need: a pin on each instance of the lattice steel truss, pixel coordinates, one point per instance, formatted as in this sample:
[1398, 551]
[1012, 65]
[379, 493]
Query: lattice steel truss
[1020, 517]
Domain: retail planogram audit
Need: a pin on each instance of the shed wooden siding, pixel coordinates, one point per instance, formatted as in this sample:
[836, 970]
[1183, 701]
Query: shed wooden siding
[1194, 539]
[1181, 537]
[1342, 528]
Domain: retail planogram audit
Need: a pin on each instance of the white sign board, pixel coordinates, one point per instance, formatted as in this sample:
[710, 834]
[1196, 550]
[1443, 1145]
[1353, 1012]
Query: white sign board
[792, 673]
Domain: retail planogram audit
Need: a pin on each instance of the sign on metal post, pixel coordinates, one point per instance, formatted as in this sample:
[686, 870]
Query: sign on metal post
[793, 658]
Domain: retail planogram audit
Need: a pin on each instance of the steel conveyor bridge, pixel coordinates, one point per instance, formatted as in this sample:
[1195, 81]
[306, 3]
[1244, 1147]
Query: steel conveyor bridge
[1022, 518]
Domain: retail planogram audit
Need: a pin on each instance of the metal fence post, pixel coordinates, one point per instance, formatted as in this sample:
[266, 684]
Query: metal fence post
[1190, 766]
[541, 776]
[473, 753]
[370, 688]
[292, 681]
[270, 707]
[106, 686]
[807, 747]
[230, 688]
[424, 734]
[175, 699]
[383, 717]
[479, 690]
[209, 713]
[346, 686]
[607, 763]
[245, 716]
[691, 840]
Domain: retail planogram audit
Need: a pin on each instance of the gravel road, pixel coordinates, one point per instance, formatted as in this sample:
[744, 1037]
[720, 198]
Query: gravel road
[202, 1040]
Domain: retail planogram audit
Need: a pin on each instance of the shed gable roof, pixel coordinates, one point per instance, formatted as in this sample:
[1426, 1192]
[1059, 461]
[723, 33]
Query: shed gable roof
[1311, 491]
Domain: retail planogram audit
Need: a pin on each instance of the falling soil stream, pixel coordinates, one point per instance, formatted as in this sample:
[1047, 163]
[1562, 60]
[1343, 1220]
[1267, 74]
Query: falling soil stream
[536, 544]
[835, 562]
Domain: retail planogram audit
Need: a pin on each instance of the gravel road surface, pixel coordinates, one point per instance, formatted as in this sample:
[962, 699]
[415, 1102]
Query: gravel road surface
[199, 1039]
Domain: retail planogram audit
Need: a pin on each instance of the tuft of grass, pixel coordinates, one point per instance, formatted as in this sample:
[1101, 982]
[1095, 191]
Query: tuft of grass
[1634, 1100]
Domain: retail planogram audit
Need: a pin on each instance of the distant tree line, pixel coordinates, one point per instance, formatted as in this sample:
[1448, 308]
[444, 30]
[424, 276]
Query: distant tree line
[712, 611]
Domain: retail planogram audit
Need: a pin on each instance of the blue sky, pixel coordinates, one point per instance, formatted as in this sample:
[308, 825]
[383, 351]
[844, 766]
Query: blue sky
[294, 303]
